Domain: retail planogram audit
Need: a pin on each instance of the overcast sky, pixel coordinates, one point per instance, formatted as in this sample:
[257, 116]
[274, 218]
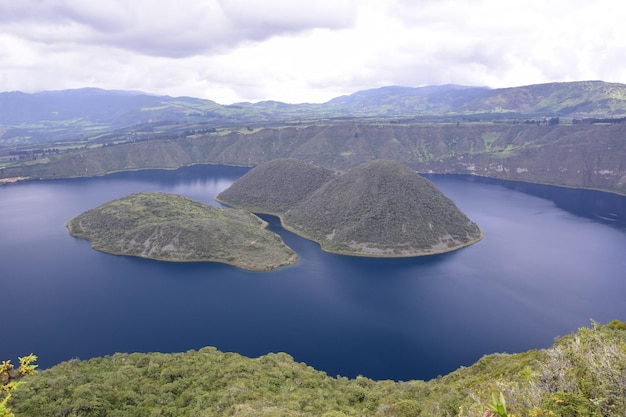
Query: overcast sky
[305, 50]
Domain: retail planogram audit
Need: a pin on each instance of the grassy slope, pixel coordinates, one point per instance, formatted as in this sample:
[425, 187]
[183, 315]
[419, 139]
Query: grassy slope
[583, 374]
[174, 228]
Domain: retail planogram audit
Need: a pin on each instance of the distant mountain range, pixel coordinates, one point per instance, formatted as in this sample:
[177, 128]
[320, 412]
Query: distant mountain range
[568, 134]
[86, 113]
[574, 99]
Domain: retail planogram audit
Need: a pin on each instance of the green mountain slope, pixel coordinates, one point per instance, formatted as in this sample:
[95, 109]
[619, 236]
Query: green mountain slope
[174, 228]
[90, 113]
[402, 101]
[567, 99]
[576, 99]
[582, 374]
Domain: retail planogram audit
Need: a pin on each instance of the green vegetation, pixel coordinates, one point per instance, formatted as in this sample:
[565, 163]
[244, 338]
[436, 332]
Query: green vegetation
[174, 228]
[276, 186]
[9, 380]
[498, 405]
[379, 208]
[583, 374]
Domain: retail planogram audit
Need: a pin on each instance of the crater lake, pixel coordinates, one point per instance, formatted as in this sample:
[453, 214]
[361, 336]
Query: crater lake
[551, 260]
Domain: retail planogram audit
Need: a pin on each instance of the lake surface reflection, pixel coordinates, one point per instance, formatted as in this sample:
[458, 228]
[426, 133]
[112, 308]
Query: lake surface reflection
[551, 260]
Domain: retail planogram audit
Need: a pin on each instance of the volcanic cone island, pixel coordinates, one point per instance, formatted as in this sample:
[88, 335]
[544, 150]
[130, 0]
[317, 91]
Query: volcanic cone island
[380, 208]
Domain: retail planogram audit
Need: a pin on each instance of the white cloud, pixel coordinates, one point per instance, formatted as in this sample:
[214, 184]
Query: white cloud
[288, 15]
[296, 51]
[169, 28]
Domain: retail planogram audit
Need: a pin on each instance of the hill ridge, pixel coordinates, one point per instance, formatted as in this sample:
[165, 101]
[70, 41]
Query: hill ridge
[89, 112]
[379, 208]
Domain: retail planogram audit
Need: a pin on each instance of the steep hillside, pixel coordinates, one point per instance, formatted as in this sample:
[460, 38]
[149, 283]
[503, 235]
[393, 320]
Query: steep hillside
[581, 375]
[380, 208]
[583, 156]
[402, 101]
[174, 228]
[574, 99]
[276, 186]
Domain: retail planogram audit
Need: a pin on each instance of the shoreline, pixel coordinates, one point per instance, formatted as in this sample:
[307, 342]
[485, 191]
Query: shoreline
[11, 180]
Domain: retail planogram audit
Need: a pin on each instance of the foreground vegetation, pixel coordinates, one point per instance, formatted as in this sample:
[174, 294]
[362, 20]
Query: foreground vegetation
[174, 228]
[583, 374]
[10, 380]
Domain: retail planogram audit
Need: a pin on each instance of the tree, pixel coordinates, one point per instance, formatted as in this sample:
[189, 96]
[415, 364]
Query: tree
[9, 377]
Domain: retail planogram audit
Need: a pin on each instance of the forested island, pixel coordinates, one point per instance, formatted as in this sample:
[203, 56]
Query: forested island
[170, 227]
[380, 208]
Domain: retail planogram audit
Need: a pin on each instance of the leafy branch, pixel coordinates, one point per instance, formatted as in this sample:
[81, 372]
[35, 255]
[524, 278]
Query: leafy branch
[9, 377]
[497, 406]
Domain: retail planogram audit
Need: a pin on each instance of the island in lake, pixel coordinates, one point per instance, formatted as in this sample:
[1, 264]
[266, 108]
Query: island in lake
[380, 208]
[170, 227]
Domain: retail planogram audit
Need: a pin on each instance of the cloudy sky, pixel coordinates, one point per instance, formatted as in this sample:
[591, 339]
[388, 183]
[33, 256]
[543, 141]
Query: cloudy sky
[305, 50]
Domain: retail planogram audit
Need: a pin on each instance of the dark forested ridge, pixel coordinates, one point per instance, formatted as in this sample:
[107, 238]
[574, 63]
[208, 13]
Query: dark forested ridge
[380, 208]
[174, 228]
[582, 374]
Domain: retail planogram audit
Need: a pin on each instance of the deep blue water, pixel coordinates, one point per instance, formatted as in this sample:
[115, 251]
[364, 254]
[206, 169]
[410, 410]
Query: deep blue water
[551, 260]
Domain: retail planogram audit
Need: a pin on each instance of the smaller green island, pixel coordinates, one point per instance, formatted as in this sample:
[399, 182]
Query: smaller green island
[169, 227]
